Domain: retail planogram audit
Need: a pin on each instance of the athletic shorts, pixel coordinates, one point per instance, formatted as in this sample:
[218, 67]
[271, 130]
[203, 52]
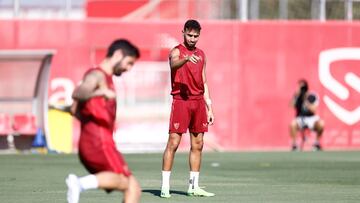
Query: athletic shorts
[97, 151]
[188, 114]
[307, 121]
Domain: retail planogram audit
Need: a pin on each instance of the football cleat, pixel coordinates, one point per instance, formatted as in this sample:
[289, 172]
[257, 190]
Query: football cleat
[165, 193]
[317, 147]
[198, 192]
[74, 189]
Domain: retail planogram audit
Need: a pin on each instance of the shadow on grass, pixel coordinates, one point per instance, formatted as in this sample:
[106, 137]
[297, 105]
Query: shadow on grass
[157, 192]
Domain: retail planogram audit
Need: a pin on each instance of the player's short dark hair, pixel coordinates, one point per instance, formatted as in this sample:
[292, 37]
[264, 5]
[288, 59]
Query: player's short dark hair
[125, 46]
[192, 25]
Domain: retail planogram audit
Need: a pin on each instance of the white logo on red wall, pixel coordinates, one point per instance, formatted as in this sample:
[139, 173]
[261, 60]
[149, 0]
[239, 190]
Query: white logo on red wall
[327, 57]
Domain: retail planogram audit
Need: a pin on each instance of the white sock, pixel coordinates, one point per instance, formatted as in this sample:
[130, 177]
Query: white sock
[88, 182]
[194, 179]
[165, 179]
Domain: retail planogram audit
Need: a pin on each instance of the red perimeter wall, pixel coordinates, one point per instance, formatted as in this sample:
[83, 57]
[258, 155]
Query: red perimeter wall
[252, 69]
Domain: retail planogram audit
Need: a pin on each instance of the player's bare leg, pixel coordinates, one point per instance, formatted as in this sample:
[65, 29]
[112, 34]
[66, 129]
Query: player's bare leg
[128, 185]
[294, 128]
[133, 193]
[168, 160]
[197, 144]
[195, 155]
[103, 180]
[169, 153]
[319, 129]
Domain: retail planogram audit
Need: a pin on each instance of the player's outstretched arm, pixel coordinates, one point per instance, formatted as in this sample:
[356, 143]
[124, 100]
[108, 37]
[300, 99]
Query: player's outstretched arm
[176, 61]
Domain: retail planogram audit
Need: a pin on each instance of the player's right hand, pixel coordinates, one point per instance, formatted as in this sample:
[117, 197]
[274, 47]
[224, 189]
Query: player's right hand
[210, 117]
[193, 58]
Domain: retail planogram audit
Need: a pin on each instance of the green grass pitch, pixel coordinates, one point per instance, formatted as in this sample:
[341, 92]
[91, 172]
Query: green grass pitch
[234, 177]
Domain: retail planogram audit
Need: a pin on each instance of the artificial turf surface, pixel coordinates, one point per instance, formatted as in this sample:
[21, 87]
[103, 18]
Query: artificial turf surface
[234, 177]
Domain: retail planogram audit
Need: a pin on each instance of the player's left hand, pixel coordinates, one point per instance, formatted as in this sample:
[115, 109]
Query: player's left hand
[210, 118]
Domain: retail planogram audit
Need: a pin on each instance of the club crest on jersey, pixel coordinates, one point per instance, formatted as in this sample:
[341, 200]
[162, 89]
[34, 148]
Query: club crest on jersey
[205, 125]
[176, 125]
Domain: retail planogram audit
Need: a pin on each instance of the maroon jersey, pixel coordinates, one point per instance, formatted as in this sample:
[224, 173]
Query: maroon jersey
[98, 109]
[187, 81]
[97, 148]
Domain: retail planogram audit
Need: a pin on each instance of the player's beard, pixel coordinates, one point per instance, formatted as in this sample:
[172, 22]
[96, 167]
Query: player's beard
[189, 44]
[118, 69]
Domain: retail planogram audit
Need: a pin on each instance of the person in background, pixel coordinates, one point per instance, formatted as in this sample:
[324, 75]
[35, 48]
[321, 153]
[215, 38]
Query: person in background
[305, 104]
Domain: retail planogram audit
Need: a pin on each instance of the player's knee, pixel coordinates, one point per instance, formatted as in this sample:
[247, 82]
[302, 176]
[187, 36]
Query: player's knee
[320, 124]
[135, 187]
[196, 149]
[293, 124]
[138, 190]
[197, 146]
[173, 145]
[122, 182]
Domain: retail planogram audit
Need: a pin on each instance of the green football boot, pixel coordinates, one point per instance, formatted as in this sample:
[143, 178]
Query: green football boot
[165, 193]
[198, 192]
